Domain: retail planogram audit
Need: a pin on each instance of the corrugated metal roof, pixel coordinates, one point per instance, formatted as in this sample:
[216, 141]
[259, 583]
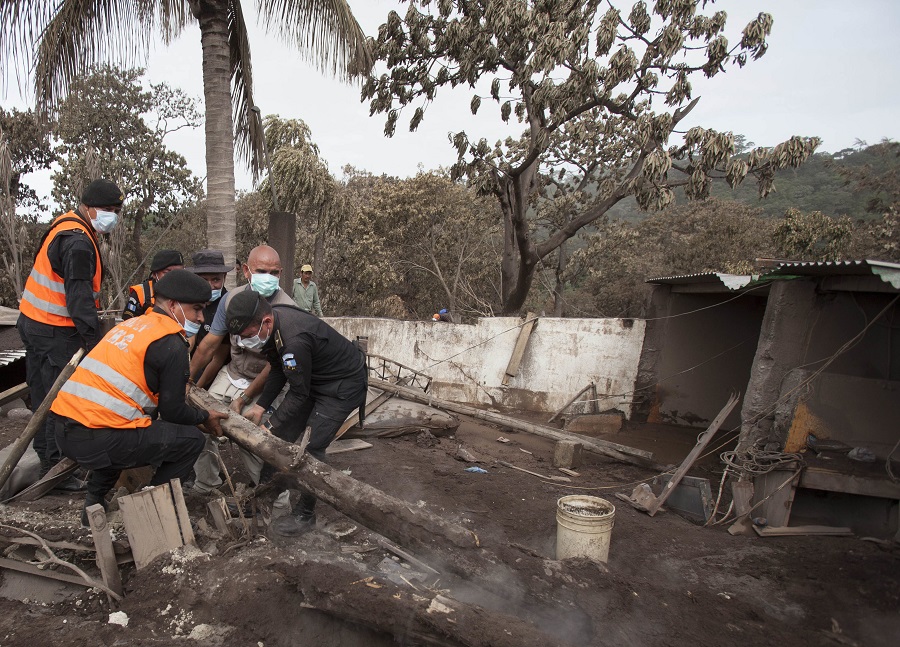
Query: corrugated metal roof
[730, 281]
[10, 356]
[887, 272]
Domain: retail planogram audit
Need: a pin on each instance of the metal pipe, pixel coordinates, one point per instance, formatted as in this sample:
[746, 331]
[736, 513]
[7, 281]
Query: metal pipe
[266, 153]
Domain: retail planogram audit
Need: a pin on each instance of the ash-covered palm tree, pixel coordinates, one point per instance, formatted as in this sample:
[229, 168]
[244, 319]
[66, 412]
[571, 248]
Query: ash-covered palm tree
[59, 40]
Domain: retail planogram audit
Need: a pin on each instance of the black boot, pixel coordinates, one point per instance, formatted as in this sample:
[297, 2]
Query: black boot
[300, 521]
[90, 500]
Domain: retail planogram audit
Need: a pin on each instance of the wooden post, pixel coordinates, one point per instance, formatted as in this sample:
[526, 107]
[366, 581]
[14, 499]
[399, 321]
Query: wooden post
[37, 420]
[283, 238]
[515, 360]
[569, 403]
[14, 393]
[106, 556]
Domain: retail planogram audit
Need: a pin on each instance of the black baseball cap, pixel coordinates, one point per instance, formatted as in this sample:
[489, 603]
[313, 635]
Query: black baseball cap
[102, 193]
[241, 310]
[166, 258]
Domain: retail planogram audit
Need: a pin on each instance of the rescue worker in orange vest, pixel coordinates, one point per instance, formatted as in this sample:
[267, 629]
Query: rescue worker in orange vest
[58, 310]
[124, 405]
[140, 296]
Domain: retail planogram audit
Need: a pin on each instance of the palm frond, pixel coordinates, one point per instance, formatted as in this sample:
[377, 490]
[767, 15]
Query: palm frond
[170, 16]
[325, 32]
[248, 131]
[81, 35]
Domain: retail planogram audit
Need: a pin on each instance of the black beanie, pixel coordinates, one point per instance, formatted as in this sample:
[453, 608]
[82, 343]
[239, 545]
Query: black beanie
[166, 258]
[183, 286]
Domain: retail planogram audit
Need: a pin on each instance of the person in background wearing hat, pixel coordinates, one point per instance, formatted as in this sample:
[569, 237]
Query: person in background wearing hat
[442, 315]
[210, 266]
[238, 383]
[140, 296]
[306, 293]
[326, 376]
[124, 405]
[58, 310]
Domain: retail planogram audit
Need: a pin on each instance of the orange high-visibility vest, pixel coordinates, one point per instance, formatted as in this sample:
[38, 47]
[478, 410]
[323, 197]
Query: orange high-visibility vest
[146, 298]
[109, 389]
[44, 298]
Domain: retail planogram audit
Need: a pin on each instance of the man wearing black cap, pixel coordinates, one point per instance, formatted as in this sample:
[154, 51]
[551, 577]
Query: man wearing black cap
[124, 405]
[210, 266]
[324, 371]
[140, 296]
[58, 310]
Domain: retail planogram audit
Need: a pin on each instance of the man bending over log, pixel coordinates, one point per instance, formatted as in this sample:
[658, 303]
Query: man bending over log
[325, 374]
[124, 405]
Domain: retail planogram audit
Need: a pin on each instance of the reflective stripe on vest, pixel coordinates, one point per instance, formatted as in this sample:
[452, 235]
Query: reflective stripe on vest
[109, 388]
[44, 296]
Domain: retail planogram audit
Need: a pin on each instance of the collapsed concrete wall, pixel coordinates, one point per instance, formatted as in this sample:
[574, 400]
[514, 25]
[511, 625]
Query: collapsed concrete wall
[468, 362]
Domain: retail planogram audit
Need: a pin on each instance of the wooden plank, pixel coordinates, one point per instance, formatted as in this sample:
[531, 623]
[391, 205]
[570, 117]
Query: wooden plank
[777, 507]
[184, 519]
[106, 556]
[817, 478]
[512, 369]
[349, 445]
[22, 567]
[150, 523]
[794, 531]
[218, 510]
[399, 552]
[14, 393]
[702, 442]
[57, 474]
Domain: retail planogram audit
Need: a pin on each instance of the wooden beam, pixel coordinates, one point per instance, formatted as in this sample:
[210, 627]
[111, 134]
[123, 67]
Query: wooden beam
[619, 452]
[569, 403]
[512, 369]
[702, 442]
[796, 531]
[17, 449]
[14, 393]
[818, 478]
[22, 567]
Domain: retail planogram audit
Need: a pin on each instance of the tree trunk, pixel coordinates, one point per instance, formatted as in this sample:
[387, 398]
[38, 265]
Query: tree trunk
[220, 224]
[420, 617]
[560, 285]
[417, 529]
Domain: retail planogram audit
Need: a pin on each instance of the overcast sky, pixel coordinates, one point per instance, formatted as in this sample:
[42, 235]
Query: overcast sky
[831, 71]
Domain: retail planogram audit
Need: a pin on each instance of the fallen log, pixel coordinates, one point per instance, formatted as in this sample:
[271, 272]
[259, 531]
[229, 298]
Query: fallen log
[619, 452]
[409, 615]
[37, 420]
[397, 520]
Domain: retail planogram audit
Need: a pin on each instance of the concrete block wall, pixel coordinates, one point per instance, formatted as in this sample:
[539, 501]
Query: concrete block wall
[562, 357]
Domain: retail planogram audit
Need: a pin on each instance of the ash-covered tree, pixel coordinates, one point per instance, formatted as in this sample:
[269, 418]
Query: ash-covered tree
[600, 92]
[443, 237]
[110, 117]
[24, 148]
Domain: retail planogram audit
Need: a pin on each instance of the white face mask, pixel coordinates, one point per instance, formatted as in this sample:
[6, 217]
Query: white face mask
[190, 328]
[105, 221]
[253, 343]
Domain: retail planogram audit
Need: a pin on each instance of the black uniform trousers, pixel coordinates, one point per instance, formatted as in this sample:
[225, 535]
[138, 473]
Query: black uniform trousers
[325, 410]
[171, 448]
[47, 350]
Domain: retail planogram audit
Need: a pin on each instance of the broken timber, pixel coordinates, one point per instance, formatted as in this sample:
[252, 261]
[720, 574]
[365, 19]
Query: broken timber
[512, 369]
[619, 452]
[20, 445]
[395, 519]
[702, 442]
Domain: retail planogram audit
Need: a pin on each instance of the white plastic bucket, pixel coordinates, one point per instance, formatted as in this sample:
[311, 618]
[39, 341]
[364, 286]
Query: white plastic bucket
[583, 527]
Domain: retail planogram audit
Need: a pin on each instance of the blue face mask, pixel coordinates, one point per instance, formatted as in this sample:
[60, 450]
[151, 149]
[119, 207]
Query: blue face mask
[105, 221]
[264, 284]
[216, 295]
[190, 328]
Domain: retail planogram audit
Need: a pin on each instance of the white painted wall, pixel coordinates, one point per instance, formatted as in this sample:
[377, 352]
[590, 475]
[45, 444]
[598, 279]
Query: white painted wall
[562, 357]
